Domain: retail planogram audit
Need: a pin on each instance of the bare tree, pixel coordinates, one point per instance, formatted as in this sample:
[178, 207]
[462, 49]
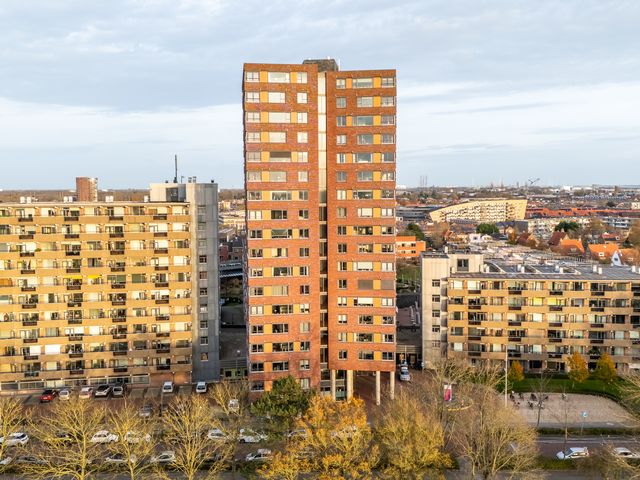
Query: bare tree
[411, 439]
[493, 438]
[186, 422]
[12, 417]
[65, 449]
[136, 442]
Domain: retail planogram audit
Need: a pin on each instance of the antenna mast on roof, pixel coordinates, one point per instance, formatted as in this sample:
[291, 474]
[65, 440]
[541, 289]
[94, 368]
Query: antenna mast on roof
[175, 178]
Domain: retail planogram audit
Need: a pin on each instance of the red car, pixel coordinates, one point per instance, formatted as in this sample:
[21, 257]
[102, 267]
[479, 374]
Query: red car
[48, 395]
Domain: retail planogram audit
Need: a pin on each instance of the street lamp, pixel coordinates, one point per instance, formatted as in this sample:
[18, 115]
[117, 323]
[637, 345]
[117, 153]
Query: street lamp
[237, 357]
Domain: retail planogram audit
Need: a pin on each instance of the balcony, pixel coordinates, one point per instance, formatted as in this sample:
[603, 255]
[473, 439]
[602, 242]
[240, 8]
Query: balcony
[117, 269]
[119, 353]
[29, 306]
[163, 367]
[163, 350]
[27, 271]
[29, 323]
[71, 218]
[555, 339]
[25, 219]
[74, 287]
[74, 303]
[162, 334]
[118, 285]
[75, 338]
[474, 354]
[475, 292]
[76, 355]
[596, 325]
[554, 355]
[160, 217]
[29, 340]
[120, 369]
[515, 291]
[116, 235]
[555, 308]
[515, 307]
[118, 302]
[555, 324]
[597, 309]
[27, 254]
[116, 252]
[119, 336]
[161, 268]
[74, 321]
[162, 301]
[71, 235]
[596, 340]
[26, 236]
[30, 357]
[160, 251]
[160, 234]
[72, 253]
[118, 319]
[31, 374]
[474, 322]
[515, 339]
[162, 318]
[79, 371]
[597, 293]
[116, 218]
[73, 270]
[556, 292]
[515, 323]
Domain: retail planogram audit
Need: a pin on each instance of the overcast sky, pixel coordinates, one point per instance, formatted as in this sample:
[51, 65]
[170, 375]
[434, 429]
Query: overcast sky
[487, 90]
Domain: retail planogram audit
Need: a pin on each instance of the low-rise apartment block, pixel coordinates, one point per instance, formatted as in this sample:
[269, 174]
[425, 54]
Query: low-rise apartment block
[483, 211]
[475, 308]
[110, 292]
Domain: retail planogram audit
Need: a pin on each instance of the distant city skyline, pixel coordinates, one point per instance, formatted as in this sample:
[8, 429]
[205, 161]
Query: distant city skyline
[501, 90]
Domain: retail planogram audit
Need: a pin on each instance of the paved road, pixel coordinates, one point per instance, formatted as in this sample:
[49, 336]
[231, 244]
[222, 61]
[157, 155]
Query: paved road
[550, 445]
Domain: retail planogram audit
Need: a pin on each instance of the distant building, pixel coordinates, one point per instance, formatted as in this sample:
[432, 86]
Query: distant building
[87, 189]
[482, 211]
[408, 246]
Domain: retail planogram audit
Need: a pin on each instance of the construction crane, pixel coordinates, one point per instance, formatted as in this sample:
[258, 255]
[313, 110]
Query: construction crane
[530, 183]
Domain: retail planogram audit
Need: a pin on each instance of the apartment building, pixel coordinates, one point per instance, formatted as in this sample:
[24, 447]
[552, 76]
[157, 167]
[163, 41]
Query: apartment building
[408, 246]
[483, 211]
[535, 313]
[110, 292]
[320, 183]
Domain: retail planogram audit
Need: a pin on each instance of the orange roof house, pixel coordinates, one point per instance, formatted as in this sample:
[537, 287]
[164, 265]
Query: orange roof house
[602, 251]
[571, 247]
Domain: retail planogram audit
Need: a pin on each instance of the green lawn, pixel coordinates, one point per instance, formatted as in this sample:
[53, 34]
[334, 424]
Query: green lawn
[559, 385]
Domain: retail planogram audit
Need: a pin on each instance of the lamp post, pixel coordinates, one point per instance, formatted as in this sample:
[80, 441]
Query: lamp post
[506, 372]
[237, 357]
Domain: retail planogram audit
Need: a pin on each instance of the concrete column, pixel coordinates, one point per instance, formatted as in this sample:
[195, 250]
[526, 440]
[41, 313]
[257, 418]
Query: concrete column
[349, 384]
[333, 384]
[392, 385]
[378, 388]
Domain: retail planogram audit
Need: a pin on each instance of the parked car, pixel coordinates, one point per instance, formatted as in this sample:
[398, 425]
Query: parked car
[28, 460]
[48, 395]
[167, 387]
[216, 434]
[118, 391]
[234, 405]
[573, 453]
[260, 456]
[120, 458]
[86, 392]
[64, 394]
[623, 452]
[15, 439]
[145, 411]
[103, 436]
[102, 391]
[201, 387]
[5, 461]
[249, 436]
[165, 457]
[297, 433]
[136, 437]
[405, 376]
[63, 437]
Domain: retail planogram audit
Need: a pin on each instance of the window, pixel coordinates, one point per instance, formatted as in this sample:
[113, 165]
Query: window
[277, 176]
[388, 120]
[386, 212]
[254, 195]
[305, 327]
[280, 366]
[303, 214]
[363, 158]
[342, 248]
[255, 253]
[252, 97]
[253, 156]
[282, 271]
[341, 83]
[365, 248]
[342, 336]
[342, 230]
[303, 176]
[278, 117]
[364, 101]
[388, 338]
[388, 138]
[363, 302]
[279, 290]
[388, 176]
[365, 319]
[253, 176]
[387, 248]
[364, 337]
[304, 364]
[304, 271]
[365, 176]
[301, 77]
[303, 195]
[388, 157]
[303, 233]
[342, 354]
[276, 97]
[277, 137]
[342, 318]
[256, 272]
[341, 139]
[342, 283]
[302, 117]
[279, 252]
[362, 83]
[387, 356]
[253, 137]
[302, 97]
[363, 266]
[304, 289]
[341, 121]
[341, 194]
[362, 194]
[257, 386]
[341, 176]
[253, 117]
[341, 102]
[257, 367]
[388, 82]
[386, 302]
[387, 101]
[363, 121]
[342, 301]
[255, 233]
[365, 139]
[388, 320]
[257, 348]
[280, 196]
[278, 77]
[282, 347]
[252, 76]
[303, 157]
[304, 308]
[303, 137]
[303, 252]
[279, 214]
[341, 158]
[281, 327]
[342, 266]
[341, 212]
[305, 346]
[365, 355]
[257, 329]
[387, 194]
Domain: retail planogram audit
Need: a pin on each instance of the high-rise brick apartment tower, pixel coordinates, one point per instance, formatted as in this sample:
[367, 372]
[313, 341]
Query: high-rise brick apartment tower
[320, 182]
